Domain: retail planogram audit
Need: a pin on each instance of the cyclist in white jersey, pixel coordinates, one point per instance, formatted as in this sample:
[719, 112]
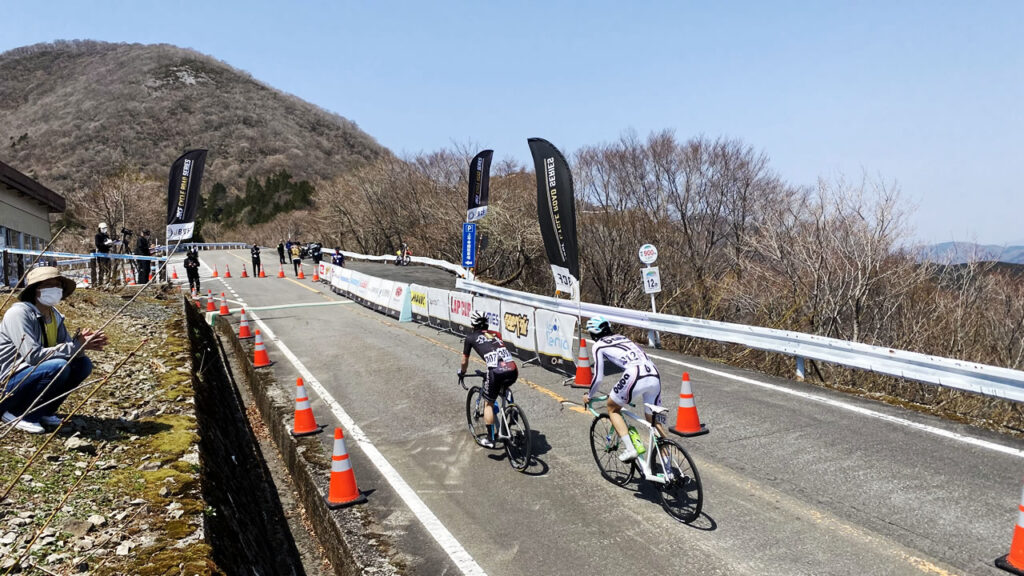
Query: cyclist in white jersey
[640, 381]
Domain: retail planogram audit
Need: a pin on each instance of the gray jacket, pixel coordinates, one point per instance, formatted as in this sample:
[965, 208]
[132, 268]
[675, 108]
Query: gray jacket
[22, 339]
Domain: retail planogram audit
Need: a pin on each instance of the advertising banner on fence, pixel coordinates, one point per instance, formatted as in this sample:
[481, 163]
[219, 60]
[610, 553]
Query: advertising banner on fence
[418, 299]
[492, 308]
[555, 333]
[556, 213]
[383, 297]
[183, 194]
[479, 182]
[399, 294]
[460, 310]
[438, 305]
[518, 329]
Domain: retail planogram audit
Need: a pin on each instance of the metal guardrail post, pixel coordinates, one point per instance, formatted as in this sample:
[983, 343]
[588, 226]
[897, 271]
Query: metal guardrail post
[800, 368]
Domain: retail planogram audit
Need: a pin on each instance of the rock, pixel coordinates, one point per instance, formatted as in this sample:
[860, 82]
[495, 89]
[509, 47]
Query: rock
[81, 564]
[174, 506]
[52, 457]
[137, 502]
[55, 558]
[164, 492]
[78, 445]
[124, 548]
[174, 515]
[19, 522]
[8, 538]
[150, 466]
[10, 565]
[191, 458]
[97, 520]
[43, 541]
[77, 528]
[84, 544]
[26, 514]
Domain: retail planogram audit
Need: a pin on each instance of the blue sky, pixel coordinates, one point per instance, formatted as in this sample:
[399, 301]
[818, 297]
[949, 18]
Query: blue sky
[927, 95]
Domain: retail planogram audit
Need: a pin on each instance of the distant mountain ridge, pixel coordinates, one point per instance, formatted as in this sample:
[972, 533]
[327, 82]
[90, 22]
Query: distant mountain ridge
[963, 252]
[71, 111]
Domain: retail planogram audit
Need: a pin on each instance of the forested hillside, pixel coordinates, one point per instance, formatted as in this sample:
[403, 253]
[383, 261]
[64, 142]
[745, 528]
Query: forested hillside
[80, 116]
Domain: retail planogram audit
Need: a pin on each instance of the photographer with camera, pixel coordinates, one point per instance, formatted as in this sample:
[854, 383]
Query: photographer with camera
[103, 245]
[143, 248]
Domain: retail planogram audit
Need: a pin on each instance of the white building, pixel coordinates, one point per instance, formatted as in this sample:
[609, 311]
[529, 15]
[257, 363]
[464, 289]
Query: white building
[25, 206]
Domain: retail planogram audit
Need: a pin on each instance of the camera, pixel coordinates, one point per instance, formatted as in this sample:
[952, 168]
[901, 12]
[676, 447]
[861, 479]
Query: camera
[126, 232]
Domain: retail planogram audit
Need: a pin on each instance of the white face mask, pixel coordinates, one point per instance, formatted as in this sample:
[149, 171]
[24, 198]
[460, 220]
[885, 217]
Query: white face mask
[50, 296]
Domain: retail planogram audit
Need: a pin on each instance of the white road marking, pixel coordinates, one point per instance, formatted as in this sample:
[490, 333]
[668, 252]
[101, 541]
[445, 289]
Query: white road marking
[857, 409]
[460, 557]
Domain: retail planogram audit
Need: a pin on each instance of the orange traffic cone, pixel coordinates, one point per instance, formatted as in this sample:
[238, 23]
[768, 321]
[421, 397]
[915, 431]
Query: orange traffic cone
[244, 273]
[215, 274]
[243, 328]
[1014, 561]
[687, 421]
[150, 277]
[262, 273]
[200, 301]
[210, 305]
[301, 276]
[305, 422]
[260, 358]
[583, 373]
[174, 272]
[280, 273]
[129, 279]
[316, 275]
[342, 491]
[224, 306]
[227, 271]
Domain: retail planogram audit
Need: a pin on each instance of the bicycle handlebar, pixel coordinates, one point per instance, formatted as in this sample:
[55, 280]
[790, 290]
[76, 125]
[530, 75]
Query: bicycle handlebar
[475, 374]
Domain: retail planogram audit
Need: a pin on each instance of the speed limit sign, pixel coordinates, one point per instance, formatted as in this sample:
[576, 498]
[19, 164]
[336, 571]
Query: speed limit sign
[648, 253]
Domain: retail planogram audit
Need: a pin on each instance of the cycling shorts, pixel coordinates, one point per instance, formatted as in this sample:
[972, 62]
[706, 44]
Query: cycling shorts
[497, 382]
[638, 383]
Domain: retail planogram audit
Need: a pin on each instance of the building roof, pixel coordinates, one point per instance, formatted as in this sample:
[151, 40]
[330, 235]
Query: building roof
[29, 187]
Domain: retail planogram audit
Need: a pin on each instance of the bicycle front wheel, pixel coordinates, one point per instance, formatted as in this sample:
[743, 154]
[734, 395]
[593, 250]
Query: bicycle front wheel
[682, 496]
[518, 444]
[475, 414]
[606, 447]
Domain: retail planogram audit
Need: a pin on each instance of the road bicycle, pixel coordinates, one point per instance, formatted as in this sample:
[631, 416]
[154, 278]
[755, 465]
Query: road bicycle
[661, 462]
[510, 425]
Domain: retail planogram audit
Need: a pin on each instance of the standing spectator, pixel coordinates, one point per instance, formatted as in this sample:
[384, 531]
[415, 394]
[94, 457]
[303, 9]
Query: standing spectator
[142, 248]
[338, 259]
[296, 258]
[192, 268]
[315, 252]
[280, 252]
[255, 251]
[36, 352]
[103, 244]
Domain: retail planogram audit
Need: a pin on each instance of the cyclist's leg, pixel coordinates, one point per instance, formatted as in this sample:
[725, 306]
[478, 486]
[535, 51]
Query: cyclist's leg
[489, 393]
[621, 395]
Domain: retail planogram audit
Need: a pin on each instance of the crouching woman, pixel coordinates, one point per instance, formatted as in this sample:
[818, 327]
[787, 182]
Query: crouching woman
[39, 361]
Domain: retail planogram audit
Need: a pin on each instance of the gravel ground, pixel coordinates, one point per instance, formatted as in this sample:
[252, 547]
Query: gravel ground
[116, 489]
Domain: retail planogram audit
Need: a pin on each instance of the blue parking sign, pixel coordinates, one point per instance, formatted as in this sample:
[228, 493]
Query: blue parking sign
[468, 245]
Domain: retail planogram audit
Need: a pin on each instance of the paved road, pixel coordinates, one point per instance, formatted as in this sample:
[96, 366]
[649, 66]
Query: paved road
[798, 480]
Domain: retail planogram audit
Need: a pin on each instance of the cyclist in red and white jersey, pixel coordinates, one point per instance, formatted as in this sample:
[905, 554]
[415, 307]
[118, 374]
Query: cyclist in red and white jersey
[640, 379]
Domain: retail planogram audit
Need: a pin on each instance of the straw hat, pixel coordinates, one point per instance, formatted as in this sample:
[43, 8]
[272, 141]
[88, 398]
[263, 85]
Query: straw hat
[37, 275]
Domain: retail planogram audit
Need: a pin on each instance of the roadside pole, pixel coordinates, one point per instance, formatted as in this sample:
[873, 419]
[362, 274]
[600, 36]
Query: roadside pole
[650, 277]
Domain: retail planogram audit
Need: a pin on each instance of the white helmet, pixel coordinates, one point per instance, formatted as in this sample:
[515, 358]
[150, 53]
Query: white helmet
[103, 226]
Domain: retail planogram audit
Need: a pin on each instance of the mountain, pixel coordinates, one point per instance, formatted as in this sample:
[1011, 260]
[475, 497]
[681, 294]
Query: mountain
[962, 252]
[72, 111]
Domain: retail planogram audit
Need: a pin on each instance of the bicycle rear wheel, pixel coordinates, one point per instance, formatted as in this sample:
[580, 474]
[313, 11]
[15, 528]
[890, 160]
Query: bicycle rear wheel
[517, 446]
[683, 496]
[475, 414]
[606, 447]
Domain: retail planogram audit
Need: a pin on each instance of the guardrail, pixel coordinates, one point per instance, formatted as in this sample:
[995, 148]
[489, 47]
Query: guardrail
[969, 376]
[454, 268]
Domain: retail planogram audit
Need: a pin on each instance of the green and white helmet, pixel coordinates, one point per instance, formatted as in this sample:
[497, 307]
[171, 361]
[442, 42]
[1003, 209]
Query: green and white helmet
[598, 326]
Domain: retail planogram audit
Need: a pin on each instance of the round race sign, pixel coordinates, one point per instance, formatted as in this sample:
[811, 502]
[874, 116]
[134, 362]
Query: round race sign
[648, 253]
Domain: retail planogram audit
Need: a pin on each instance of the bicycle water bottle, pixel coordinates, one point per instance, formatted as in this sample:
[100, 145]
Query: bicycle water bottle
[637, 443]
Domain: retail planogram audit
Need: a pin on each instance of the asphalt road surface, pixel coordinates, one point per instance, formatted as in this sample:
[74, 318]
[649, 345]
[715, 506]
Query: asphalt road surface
[798, 480]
